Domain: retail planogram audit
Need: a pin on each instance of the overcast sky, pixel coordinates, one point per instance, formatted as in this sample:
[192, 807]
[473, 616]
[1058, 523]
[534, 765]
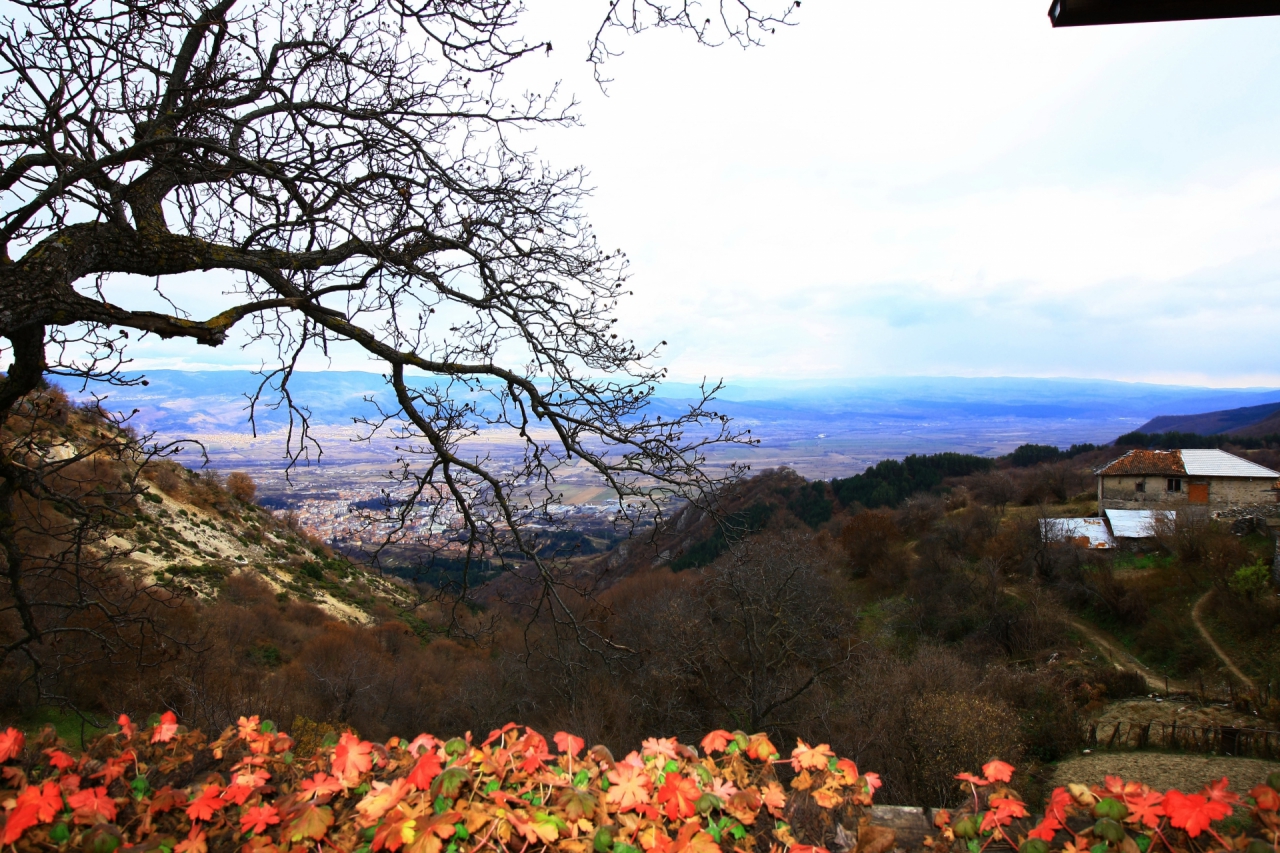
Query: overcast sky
[925, 187]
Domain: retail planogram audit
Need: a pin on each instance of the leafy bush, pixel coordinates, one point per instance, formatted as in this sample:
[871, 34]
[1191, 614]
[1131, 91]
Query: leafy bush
[1251, 581]
[166, 788]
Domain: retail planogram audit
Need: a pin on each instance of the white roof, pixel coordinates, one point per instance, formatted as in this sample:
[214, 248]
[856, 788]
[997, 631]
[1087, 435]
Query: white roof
[1062, 529]
[1217, 463]
[1135, 523]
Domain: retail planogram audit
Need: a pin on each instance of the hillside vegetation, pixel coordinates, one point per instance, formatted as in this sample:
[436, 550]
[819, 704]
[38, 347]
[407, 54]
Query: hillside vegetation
[922, 637]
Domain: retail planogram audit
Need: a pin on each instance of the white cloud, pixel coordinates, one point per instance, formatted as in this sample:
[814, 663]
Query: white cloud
[931, 187]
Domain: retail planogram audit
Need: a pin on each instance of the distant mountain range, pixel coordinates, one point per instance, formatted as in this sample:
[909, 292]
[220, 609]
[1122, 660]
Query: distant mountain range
[819, 428]
[1247, 421]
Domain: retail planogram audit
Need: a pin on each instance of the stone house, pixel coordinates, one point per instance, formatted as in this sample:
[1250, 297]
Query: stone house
[1160, 479]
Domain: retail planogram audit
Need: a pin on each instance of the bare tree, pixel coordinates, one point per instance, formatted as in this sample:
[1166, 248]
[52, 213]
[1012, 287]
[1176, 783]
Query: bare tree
[350, 168]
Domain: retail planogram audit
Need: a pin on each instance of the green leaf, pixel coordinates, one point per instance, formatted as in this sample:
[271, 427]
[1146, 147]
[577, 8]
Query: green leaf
[1143, 842]
[141, 787]
[460, 831]
[670, 766]
[363, 789]
[1099, 848]
[973, 845]
[455, 747]
[268, 727]
[624, 848]
[441, 805]
[581, 778]
[493, 785]
[603, 841]
[287, 758]
[739, 831]
[831, 763]
[450, 782]
[60, 833]
[330, 739]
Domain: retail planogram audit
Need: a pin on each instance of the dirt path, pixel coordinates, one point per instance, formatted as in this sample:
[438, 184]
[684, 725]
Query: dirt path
[1121, 659]
[1213, 644]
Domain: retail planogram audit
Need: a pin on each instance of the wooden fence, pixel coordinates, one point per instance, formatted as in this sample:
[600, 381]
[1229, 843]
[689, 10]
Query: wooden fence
[1223, 740]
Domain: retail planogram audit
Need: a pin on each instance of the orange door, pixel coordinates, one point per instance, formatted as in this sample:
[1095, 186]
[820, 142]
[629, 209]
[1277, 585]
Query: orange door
[1198, 493]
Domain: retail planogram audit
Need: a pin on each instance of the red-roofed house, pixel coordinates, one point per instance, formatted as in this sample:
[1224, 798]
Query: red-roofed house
[1149, 478]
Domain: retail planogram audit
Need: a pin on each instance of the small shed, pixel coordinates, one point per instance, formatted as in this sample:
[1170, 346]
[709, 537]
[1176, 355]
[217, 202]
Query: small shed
[1086, 532]
[1136, 523]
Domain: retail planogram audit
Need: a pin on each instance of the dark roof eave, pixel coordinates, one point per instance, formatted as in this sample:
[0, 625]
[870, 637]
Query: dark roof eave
[1085, 13]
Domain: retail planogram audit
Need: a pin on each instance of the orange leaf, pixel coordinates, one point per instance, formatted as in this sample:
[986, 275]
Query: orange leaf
[11, 743]
[166, 728]
[569, 744]
[678, 793]
[92, 805]
[204, 806]
[351, 758]
[258, 818]
[716, 741]
[1193, 812]
[426, 770]
[628, 787]
[997, 771]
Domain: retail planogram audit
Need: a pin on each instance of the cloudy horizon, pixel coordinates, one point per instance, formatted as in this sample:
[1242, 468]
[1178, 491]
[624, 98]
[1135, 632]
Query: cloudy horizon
[930, 189]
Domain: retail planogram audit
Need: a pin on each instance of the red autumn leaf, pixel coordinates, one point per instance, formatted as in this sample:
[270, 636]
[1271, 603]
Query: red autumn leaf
[60, 759]
[497, 733]
[127, 728]
[805, 848]
[1193, 812]
[166, 728]
[1146, 808]
[204, 806]
[569, 744]
[426, 770]
[11, 743]
[237, 794]
[971, 779]
[1266, 798]
[92, 804]
[35, 804]
[113, 768]
[678, 794]
[1003, 811]
[258, 818]
[1219, 793]
[322, 784]
[1059, 801]
[351, 758]
[716, 741]
[997, 771]
[1046, 829]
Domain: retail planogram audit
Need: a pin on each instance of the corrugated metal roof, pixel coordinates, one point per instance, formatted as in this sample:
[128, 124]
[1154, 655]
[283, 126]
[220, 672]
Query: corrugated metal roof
[1194, 463]
[1089, 532]
[1135, 523]
[1218, 463]
[1145, 462]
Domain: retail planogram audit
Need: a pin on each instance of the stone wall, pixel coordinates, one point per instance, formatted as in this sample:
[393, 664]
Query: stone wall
[1225, 493]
